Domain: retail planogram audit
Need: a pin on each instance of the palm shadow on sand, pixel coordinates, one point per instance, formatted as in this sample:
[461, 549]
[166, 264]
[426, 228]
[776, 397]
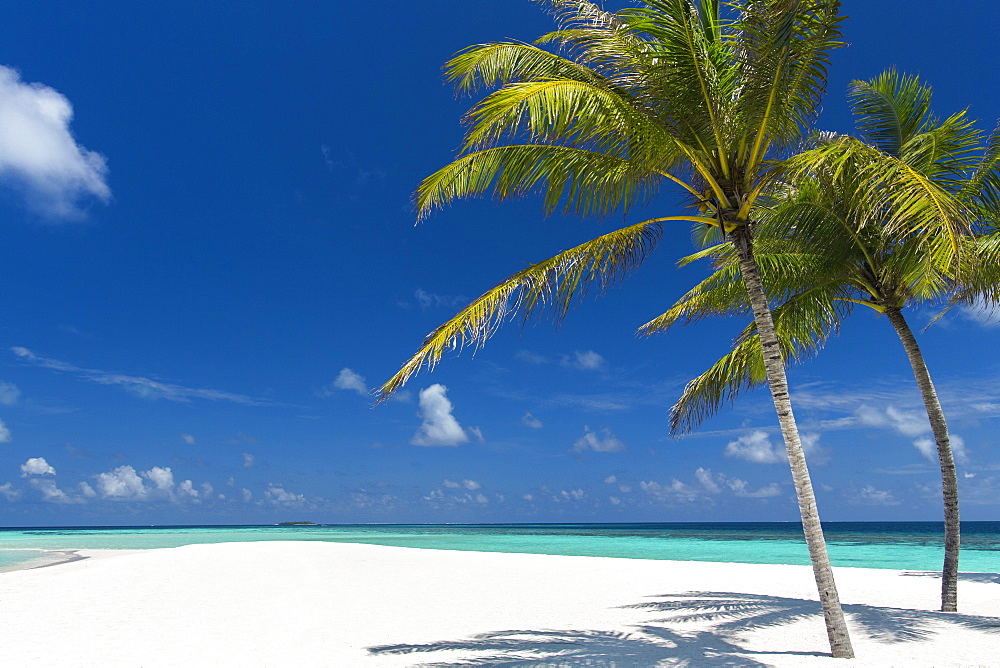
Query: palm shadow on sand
[987, 578]
[731, 614]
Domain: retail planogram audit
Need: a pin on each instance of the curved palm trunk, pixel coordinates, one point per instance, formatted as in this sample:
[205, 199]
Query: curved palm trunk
[949, 478]
[836, 625]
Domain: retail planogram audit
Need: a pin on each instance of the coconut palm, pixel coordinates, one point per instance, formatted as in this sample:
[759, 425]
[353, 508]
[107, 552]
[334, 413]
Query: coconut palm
[828, 246]
[598, 115]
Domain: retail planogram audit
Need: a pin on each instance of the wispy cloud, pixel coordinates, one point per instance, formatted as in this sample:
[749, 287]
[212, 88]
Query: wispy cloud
[586, 360]
[38, 154]
[138, 385]
[428, 300]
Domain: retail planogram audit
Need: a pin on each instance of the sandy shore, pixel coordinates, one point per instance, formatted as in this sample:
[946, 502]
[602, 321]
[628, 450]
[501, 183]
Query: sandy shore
[330, 604]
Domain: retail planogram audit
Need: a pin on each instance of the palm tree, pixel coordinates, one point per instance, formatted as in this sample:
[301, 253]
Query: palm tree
[830, 247]
[697, 93]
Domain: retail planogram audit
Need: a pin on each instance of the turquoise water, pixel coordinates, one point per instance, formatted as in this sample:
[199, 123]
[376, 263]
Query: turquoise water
[899, 545]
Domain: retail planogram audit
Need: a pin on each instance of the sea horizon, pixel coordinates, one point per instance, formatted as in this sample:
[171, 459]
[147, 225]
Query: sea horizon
[904, 545]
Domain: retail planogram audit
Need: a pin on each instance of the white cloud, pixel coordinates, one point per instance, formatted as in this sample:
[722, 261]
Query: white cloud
[207, 489]
[704, 476]
[125, 484]
[86, 490]
[137, 385]
[591, 441]
[868, 495]
[451, 484]
[9, 492]
[439, 428]
[5, 435]
[38, 154]
[471, 485]
[51, 493]
[247, 495]
[36, 466]
[9, 393]
[161, 477]
[572, 495]
[280, 496]
[907, 423]
[347, 379]
[530, 420]
[431, 300]
[530, 357]
[980, 312]
[611, 479]
[742, 488]
[188, 438]
[928, 448]
[755, 447]
[477, 433]
[675, 490]
[249, 460]
[186, 488]
[586, 360]
[481, 498]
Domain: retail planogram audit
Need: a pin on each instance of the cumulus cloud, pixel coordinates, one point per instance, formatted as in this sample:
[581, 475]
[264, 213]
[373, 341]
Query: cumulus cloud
[249, 460]
[530, 420]
[439, 428]
[9, 393]
[86, 490]
[586, 360]
[38, 154]
[606, 442]
[9, 492]
[870, 496]
[280, 496]
[36, 466]
[247, 495]
[349, 380]
[121, 483]
[714, 483]
[188, 438]
[157, 484]
[755, 447]
[5, 434]
[51, 493]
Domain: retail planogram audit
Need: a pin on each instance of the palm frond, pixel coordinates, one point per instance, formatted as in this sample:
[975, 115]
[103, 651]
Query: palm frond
[552, 285]
[500, 63]
[586, 182]
[803, 325]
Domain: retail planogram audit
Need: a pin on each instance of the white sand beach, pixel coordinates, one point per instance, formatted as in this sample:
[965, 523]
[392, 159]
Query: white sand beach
[345, 605]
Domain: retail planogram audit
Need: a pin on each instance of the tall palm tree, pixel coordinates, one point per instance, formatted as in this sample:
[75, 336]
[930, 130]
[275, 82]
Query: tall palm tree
[697, 93]
[830, 247]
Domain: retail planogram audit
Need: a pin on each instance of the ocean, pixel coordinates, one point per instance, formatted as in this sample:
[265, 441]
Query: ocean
[896, 545]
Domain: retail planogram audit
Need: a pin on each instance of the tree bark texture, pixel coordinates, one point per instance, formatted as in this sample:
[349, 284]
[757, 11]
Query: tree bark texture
[949, 477]
[836, 625]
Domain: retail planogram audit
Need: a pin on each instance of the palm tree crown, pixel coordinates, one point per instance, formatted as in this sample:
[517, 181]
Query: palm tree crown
[598, 115]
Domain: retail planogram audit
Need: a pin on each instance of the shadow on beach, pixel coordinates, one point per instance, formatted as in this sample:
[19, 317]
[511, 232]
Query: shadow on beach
[731, 615]
[987, 578]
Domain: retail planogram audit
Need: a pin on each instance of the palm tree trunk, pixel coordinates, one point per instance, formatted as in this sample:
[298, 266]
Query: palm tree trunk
[949, 478]
[836, 625]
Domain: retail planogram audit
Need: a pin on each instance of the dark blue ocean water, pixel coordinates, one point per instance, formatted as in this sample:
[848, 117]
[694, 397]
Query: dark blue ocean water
[898, 545]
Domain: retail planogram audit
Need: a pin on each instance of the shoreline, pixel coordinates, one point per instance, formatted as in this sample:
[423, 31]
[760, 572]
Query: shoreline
[312, 603]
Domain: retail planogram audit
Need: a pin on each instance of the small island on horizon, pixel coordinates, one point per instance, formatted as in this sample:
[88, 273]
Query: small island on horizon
[289, 524]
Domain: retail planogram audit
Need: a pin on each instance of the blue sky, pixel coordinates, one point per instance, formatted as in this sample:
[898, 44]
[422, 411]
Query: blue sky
[210, 259]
